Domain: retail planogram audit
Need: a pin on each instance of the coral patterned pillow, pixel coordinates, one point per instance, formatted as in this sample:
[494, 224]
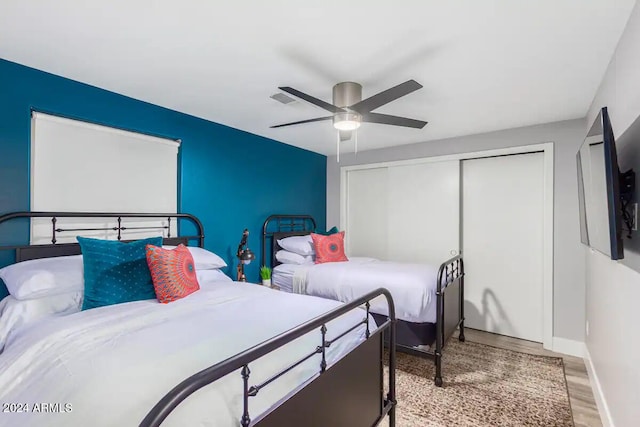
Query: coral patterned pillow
[329, 248]
[173, 272]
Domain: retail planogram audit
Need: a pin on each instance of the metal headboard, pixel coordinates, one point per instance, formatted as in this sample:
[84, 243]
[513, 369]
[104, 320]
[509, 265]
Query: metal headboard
[280, 226]
[27, 252]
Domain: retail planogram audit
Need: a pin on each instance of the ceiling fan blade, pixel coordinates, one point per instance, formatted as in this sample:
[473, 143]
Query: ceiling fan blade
[385, 97]
[319, 119]
[385, 119]
[315, 101]
[345, 135]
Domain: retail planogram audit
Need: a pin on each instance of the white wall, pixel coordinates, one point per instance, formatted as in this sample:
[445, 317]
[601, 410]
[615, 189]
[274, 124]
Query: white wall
[569, 289]
[613, 289]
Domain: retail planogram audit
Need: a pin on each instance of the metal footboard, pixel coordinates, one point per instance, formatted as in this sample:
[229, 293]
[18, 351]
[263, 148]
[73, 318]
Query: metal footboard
[324, 403]
[449, 308]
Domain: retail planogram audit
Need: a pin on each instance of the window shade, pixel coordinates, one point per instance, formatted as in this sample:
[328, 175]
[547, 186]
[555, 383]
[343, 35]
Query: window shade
[78, 166]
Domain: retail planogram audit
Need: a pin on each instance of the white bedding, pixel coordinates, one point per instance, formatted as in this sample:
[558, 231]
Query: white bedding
[112, 364]
[413, 286]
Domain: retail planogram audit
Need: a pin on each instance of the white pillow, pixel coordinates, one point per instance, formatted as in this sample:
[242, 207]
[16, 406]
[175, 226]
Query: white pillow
[203, 259]
[209, 276]
[301, 245]
[43, 277]
[16, 314]
[286, 257]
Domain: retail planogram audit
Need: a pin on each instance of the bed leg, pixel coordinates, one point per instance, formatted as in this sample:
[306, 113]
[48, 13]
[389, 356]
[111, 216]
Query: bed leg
[461, 336]
[438, 379]
[392, 416]
[461, 266]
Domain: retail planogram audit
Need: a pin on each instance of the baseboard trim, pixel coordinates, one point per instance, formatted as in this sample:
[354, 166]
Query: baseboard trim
[567, 346]
[601, 402]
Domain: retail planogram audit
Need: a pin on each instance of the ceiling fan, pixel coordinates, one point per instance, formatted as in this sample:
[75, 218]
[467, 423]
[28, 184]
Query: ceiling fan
[350, 110]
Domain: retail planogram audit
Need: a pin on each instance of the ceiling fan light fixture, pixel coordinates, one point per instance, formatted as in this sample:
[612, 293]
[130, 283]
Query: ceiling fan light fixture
[349, 110]
[347, 121]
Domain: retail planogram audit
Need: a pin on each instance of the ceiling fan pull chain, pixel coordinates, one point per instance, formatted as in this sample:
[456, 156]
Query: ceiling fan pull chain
[355, 136]
[338, 146]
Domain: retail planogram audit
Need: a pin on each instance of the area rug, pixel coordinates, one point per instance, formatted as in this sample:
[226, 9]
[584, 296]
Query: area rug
[483, 386]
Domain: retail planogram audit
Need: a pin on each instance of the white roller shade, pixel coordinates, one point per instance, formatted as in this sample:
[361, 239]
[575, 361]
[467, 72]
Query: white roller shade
[78, 166]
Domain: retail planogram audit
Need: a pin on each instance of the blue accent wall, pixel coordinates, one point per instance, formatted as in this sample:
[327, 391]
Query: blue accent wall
[230, 179]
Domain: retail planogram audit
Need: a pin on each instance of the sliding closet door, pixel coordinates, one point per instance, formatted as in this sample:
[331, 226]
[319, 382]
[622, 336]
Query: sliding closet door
[424, 212]
[366, 213]
[503, 224]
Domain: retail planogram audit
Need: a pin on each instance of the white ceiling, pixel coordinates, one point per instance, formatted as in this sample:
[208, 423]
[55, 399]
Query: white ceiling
[485, 65]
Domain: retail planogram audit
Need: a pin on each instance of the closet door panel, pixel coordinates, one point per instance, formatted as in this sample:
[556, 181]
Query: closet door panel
[366, 227]
[503, 244]
[424, 212]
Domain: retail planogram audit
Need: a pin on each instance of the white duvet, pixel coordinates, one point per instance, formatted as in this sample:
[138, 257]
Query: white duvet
[109, 366]
[412, 286]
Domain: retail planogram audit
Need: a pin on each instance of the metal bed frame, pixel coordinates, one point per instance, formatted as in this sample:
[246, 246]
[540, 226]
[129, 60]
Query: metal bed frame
[27, 252]
[449, 295]
[350, 393]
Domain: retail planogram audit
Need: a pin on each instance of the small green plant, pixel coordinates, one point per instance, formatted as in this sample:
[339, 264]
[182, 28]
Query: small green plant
[265, 273]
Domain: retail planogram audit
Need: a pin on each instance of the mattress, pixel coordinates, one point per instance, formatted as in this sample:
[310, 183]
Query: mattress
[282, 276]
[413, 286]
[110, 365]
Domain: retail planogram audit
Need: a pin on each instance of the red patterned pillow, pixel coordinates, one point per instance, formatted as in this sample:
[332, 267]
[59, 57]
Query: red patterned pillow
[173, 272]
[329, 248]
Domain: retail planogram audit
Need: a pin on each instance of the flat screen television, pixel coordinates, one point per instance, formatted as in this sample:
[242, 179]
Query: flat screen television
[599, 194]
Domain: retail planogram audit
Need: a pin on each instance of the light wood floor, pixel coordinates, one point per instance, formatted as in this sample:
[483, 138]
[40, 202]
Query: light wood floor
[583, 405]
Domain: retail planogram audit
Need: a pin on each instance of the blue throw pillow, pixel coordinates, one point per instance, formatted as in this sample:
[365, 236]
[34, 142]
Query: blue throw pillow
[116, 272]
[333, 230]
